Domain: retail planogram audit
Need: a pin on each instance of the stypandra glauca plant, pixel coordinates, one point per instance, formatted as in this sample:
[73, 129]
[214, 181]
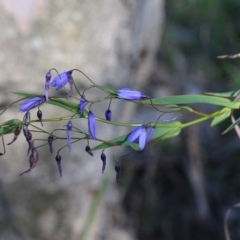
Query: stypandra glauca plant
[76, 102]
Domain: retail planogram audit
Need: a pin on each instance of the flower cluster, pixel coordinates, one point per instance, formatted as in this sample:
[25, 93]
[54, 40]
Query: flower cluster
[141, 135]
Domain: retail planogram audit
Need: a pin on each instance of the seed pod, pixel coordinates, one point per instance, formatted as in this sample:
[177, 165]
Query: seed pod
[16, 133]
[33, 159]
[26, 118]
[88, 150]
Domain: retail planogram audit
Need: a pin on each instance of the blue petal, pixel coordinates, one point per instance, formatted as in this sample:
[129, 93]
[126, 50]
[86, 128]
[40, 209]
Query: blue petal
[130, 94]
[31, 103]
[61, 80]
[133, 135]
[91, 125]
[142, 138]
[150, 134]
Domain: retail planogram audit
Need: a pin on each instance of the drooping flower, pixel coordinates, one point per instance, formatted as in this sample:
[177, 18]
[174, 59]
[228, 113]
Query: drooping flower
[47, 81]
[138, 135]
[58, 159]
[88, 150]
[31, 103]
[50, 144]
[103, 158]
[82, 105]
[69, 133]
[91, 125]
[61, 80]
[117, 170]
[130, 94]
[150, 133]
[39, 115]
[108, 115]
[33, 159]
[16, 133]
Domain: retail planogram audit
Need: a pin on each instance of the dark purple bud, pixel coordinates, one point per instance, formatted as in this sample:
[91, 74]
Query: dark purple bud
[48, 77]
[31, 103]
[139, 135]
[88, 150]
[130, 94]
[58, 160]
[82, 105]
[39, 115]
[47, 81]
[26, 118]
[16, 133]
[117, 170]
[108, 115]
[69, 133]
[33, 159]
[103, 158]
[91, 125]
[50, 144]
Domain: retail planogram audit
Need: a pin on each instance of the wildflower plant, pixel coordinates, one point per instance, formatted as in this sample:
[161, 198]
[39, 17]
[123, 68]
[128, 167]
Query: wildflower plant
[139, 136]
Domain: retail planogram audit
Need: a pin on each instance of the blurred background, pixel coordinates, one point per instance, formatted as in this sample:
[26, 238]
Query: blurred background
[176, 189]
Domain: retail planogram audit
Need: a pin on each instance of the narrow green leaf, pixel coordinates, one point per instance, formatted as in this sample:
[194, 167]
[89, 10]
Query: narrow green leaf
[226, 94]
[106, 89]
[9, 126]
[223, 114]
[232, 126]
[185, 99]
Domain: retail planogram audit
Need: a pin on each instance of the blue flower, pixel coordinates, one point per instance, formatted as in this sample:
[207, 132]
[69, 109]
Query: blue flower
[82, 105]
[61, 80]
[31, 103]
[91, 125]
[130, 94]
[69, 133]
[150, 133]
[138, 135]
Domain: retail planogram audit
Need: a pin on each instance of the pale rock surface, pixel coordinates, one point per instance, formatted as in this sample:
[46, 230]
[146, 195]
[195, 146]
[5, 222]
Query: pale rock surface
[114, 42]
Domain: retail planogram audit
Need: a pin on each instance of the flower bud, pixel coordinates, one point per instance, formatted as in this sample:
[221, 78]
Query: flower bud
[48, 77]
[117, 170]
[88, 150]
[69, 133]
[50, 141]
[39, 115]
[103, 158]
[58, 160]
[108, 115]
